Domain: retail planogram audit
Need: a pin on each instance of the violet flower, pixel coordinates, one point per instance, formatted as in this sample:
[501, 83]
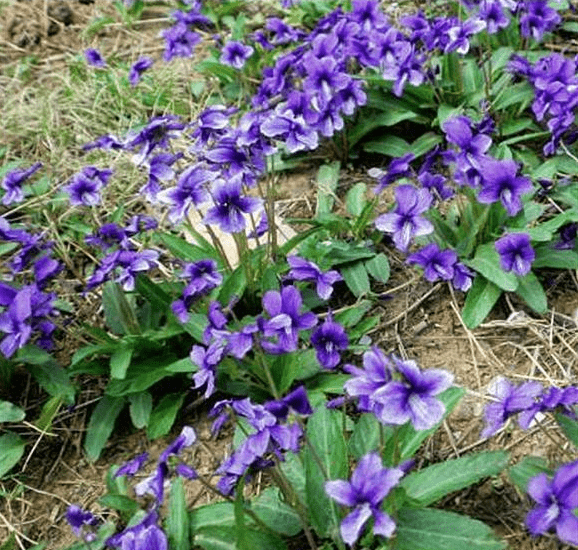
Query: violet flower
[235, 54]
[557, 500]
[437, 264]
[329, 339]
[133, 466]
[537, 18]
[207, 361]
[406, 222]
[285, 320]
[12, 183]
[370, 484]
[85, 186]
[146, 535]
[398, 168]
[376, 372]
[516, 253]
[510, 400]
[94, 58]
[82, 522]
[140, 66]
[500, 183]
[414, 398]
[180, 41]
[230, 206]
[492, 12]
[306, 270]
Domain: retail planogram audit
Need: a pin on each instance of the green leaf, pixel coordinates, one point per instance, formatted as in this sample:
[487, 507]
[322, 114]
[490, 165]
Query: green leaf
[569, 427]
[558, 259]
[365, 436]
[177, 523]
[425, 143]
[480, 300]
[487, 262]
[101, 425]
[276, 514]
[526, 469]
[187, 251]
[356, 199]
[324, 431]
[233, 285]
[327, 179]
[119, 313]
[54, 379]
[428, 529]
[378, 267]
[49, 411]
[521, 93]
[293, 469]
[223, 538]
[11, 451]
[391, 146]
[352, 315]
[212, 515]
[10, 544]
[391, 117]
[152, 292]
[120, 361]
[164, 415]
[140, 407]
[121, 503]
[356, 279]
[10, 412]
[532, 292]
[214, 68]
[432, 483]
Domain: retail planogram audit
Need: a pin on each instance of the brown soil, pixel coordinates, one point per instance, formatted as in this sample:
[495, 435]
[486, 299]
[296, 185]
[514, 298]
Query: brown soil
[418, 321]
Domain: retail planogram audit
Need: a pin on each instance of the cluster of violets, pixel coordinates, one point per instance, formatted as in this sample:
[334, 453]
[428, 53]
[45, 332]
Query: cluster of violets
[556, 498]
[28, 308]
[147, 534]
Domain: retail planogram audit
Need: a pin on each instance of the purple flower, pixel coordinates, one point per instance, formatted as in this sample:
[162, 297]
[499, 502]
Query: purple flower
[142, 64]
[131, 467]
[230, 206]
[235, 54]
[206, 360]
[185, 439]
[285, 320]
[499, 183]
[463, 277]
[81, 521]
[329, 339]
[537, 18]
[85, 186]
[146, 535]
[516, 253]
[492, 12]
[557, 500]
[156, 133]
[398, 168]
[180, 41]
[437, 264]
[412, 399]
[12, 183]
[458, 131]
[298, 135]
[510, 400]
[305, 270]
[405, 222]
[370, 484]
[94, 58]
[376, 373]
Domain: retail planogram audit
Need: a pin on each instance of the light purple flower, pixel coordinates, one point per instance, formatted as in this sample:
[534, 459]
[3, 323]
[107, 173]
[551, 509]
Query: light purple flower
[207, 361]
[406, 222]
[306, 270]
[500, 183]
[510, 400]
[414, 398]
[12, 183]
[146, 535]
[437, 264]
[285, 320]
[180, 41]
[399, 167]
[516, 253]
[370, 484]
[131, 467]
[235, 54]
[557, 500]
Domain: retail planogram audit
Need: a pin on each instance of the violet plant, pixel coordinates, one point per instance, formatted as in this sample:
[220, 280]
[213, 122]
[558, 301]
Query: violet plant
[267, 332]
